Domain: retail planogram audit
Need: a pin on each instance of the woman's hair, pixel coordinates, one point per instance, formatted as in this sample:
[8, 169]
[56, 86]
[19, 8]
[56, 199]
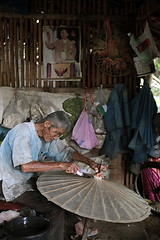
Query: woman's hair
[58, 119]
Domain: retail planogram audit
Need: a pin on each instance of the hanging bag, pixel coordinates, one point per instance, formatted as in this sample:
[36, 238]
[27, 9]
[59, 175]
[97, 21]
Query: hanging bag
[144, 46]
[83, 132]
[97, 111]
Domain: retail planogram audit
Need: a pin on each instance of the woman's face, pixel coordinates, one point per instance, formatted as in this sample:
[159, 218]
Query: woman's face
[52, 133]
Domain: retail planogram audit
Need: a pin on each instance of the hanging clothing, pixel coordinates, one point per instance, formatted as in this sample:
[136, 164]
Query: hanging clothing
[143, 109]
[117, 122]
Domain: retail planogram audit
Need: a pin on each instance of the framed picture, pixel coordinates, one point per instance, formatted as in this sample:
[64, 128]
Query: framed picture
[61, 52]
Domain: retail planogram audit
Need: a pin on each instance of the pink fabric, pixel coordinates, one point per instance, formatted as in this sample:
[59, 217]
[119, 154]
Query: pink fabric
[156, 160]
[83, 132]
[151, 181]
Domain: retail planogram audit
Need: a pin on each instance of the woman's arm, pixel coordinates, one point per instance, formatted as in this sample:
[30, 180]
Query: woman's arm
[95, 166]
[36, 166]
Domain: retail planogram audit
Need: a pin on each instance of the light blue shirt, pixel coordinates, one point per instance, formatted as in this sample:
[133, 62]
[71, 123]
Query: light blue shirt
[57, 151]
[20, 146]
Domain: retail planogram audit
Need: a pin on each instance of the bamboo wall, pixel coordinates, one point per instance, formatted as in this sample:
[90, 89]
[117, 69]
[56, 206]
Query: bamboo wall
[21, 46]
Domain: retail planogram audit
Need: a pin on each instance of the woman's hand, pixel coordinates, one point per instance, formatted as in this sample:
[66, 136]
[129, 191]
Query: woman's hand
[98, 168]
[69, 167]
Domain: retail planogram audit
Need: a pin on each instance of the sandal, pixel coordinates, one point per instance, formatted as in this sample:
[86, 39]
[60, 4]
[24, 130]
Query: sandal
[92, 233]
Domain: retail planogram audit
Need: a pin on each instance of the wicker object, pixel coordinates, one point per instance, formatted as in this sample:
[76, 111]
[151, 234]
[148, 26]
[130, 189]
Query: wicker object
[112, 52]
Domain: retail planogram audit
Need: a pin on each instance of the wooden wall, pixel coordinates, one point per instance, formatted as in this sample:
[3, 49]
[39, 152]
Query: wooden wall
[23, 34]
[21, 45]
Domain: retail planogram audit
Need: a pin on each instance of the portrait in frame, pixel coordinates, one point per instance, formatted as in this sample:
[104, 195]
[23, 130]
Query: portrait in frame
[61, 52]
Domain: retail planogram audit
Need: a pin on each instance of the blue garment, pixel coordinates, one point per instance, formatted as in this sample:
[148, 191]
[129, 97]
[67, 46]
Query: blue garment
[57, 151]
[143, 110]
[17, 148]
[117, 122]
[20, 146]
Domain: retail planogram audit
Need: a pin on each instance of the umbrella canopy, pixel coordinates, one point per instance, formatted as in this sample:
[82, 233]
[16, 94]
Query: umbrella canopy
[93, 198]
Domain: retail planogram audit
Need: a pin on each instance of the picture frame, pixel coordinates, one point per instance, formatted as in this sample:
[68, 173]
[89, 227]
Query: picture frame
[62, 53]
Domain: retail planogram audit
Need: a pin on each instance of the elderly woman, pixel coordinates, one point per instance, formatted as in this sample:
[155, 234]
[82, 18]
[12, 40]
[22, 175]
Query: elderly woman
[22, 154]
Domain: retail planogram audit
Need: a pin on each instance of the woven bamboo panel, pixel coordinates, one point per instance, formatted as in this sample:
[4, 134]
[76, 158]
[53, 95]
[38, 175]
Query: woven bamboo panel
[21, 42]
[21, 47]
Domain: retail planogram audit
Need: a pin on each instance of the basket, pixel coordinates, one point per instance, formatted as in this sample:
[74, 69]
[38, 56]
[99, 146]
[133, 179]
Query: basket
[112, 53]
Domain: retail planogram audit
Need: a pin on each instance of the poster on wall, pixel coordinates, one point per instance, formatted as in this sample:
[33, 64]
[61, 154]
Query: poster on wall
[61, 52]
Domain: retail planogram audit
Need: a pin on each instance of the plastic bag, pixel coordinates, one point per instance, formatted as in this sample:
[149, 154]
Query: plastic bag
[83, 132]
[101, 102]
[97, 119]
[74, 107]
[97, 111]
[144, 46]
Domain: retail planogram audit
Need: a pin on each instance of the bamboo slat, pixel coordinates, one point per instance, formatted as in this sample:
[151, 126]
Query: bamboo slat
[98, 73]
[88, 57]
[16, 49]
[31, 53]
[68, 23]
[50, 83]
[21, 61]
[12, 64]
[44, 6]
[63, 22]
[26, 40]
[45, 83]
[35, 53]
[84, 62]
[103, 83]
[52, 7]
[39, 52]
[4, 70]
[27, 52]
[6, 33]
[1, 46]
[79, 7]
